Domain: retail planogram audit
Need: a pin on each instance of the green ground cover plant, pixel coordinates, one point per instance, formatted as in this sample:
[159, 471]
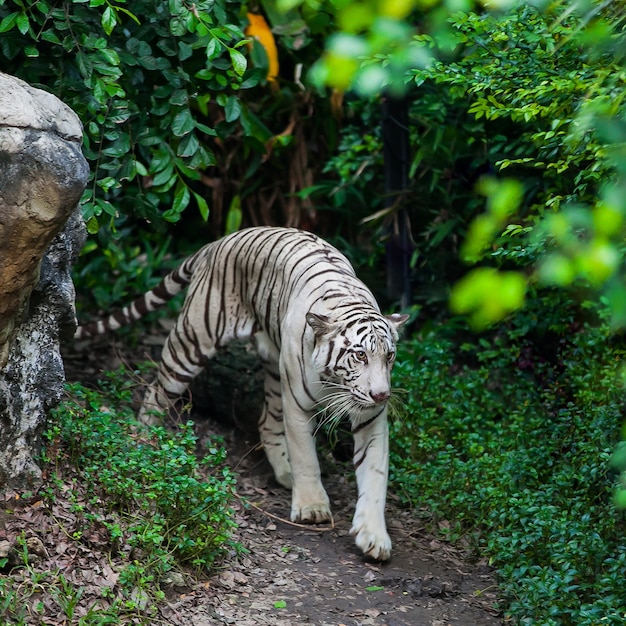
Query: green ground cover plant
[140, 503]
[508, 437]
[178, 505]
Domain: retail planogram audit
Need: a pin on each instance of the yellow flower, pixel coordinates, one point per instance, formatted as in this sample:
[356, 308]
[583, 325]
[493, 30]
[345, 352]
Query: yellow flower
[259, 30]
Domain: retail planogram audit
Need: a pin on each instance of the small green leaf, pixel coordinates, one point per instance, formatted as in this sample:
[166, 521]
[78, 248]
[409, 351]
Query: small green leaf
[374, 588]
[129, 14]
[232, 110]
[185, 51]
[203, 207]
[163, 177]
[556, 269]
[234, 216]
[183, 123]
[618, 459]
[92, 225]
[207, 130]
[213, 49]
[239, 61]
[188, 146]
[22, 23]
[287, 5]
[178, 28]
[160, 162]
[181, 199]
[51, 36]
[205, 74]
[619, 498]
[179, 97]
[109, 20]
[107, 183]
[110, 56]
[8, 22]
[503, 196]
[280, 604]
[488, 296]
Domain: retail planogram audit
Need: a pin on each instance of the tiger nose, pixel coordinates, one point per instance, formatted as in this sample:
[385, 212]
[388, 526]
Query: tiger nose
[380, 396]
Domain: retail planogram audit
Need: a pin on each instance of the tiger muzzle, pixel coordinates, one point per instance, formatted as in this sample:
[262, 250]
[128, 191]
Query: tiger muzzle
[380, 396]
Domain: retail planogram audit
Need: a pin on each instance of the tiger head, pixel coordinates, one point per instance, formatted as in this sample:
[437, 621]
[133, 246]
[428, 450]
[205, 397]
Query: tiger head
[353, 356]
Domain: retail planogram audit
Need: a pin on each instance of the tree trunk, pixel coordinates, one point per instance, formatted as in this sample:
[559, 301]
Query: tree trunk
[42, 176]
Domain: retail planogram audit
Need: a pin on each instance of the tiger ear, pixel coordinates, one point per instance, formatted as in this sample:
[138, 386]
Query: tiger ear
[320, 324]
[397, 319]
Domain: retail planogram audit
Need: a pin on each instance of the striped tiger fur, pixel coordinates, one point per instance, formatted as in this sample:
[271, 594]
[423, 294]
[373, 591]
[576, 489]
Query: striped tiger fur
[323, 342]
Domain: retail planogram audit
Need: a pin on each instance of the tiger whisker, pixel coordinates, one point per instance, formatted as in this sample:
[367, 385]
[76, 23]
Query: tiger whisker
[335, 406]
[396, 403]
[334, 411]
[332, 384]
[331, 405]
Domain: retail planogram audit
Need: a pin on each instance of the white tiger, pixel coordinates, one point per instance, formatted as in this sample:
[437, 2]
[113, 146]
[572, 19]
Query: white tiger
[323, 343]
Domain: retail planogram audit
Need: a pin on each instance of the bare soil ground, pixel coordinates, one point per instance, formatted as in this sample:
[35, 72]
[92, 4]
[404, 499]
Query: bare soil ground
[290, 575]
[318, 576]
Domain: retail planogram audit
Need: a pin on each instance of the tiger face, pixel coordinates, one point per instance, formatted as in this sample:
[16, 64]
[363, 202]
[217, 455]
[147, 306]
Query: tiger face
[353, 359]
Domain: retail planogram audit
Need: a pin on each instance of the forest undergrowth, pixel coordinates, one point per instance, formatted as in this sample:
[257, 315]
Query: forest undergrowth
[508, 440]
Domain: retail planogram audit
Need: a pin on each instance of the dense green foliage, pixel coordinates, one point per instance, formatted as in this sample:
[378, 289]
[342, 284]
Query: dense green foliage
[177, 113]
[508, 438]
[179, 505]
[155, 505]
[519, 116]
[547, 78]
[553, 107]
[168, 506]
[136, 83]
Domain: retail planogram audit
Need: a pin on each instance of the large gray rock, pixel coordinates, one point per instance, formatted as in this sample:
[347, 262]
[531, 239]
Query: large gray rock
[42, 176]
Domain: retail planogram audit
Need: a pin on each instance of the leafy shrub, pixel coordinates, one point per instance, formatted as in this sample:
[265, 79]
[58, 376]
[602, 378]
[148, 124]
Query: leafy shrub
[140, 81]
[177, 113]
[176, 508]
[508, 437]
[546, 85]
[525, 93]
[120, 507]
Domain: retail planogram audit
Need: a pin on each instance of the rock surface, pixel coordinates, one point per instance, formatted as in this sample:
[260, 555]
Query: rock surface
[42, 176]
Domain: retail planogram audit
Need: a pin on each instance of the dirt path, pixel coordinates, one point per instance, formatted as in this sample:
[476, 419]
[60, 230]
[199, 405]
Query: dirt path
[295, 577]
[289, 576]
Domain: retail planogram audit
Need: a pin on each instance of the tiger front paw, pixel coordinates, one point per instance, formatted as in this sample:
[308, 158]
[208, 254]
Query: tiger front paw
[316, 513]
[375, 543]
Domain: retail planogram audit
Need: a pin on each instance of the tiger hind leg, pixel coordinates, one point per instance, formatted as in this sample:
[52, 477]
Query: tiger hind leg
[182, 360]
[272, 428]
